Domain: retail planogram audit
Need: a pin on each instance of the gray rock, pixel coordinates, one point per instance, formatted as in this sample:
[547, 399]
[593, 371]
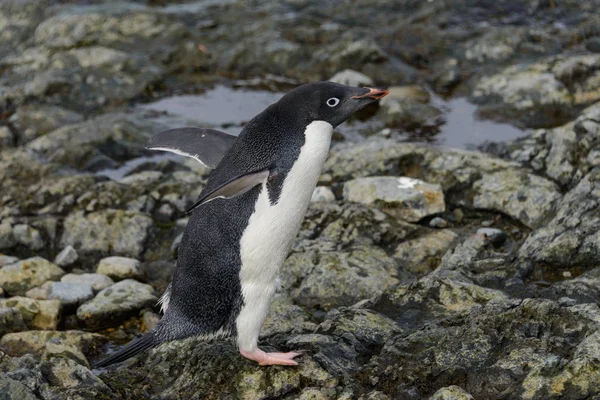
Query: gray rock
[593, 44]
[67, 256]
[105, 232]
[405, 198]
[116, 303]
[32, 121]
[15, 390]
[17, 278]
[438, 222]
[331, 279]
[119, 268]
[451, 393]
[7, 138]
[351, 78]
[496, 236]
[322, 193]
[6, 260]
[28, 236]
[7, 238]
[70, 294]
[96, 281]
[524, 196]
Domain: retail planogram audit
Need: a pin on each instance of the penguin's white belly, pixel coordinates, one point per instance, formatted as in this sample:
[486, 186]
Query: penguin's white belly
[272, 228]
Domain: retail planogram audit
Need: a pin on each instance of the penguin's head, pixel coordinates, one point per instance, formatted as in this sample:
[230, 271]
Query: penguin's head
[329, 101]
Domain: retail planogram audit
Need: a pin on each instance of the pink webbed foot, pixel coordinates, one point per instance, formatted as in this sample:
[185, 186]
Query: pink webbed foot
[263, 358]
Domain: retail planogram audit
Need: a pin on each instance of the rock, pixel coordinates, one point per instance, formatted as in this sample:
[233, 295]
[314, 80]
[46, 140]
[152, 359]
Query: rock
[107, 232]
[11, 320]
[593, 44]
[96, 281]
[438, 222]
[70, 294]
[496, 236]
[68, 256]
[38, 314]
[405, 198]
[17, 278]
[285, 317]
[524, 196]
[351, 78]
[409, 113]
[424, 253]
[28, 237]
[40, 292]
[451, 393]
[66, 373]
[119, 268]
[7, 238]
[35, 120]
[571, 237]
[15, 390]
[6, 260]
[149, 321]
[322, 193]
[7, 138]
[331, 279]
[34, 342]
[116, 303]
[405, 93]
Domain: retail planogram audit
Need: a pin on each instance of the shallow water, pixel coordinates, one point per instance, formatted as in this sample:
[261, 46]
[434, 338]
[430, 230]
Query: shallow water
[229, 109]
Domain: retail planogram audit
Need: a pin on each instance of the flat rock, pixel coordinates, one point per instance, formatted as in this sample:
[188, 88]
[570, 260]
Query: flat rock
[105, 232]
[96, 281]
[17, 278]
[119, 268]
[116, 303]
[70, 294]
[405, 198]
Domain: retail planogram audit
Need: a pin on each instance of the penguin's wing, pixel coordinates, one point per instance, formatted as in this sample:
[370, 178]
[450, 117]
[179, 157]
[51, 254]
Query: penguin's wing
[207, 146]
[233, 187]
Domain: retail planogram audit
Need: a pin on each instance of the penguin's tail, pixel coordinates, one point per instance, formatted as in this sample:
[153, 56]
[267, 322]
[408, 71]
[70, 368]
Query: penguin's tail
[139, 345]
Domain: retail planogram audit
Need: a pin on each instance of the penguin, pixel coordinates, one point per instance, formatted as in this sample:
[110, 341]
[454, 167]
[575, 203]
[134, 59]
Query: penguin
[245, 220]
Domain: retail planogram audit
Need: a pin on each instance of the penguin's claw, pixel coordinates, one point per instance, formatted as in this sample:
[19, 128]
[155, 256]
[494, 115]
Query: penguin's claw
[264, 359]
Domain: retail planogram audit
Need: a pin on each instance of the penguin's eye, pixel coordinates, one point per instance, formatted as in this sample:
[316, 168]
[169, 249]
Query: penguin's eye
[332, 102]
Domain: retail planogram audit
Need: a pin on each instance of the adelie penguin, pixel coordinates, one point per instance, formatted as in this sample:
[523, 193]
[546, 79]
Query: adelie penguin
[243, 224]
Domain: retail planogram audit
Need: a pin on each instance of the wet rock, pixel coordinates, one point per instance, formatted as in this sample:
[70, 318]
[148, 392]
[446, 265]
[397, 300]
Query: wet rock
[571, 237]
[107, 232]
[451, 393]
[67, 256]
[28, 236]
[424, 253]
[116, 303]
[96, 281]
[525, 197]
[17, 278]
[496, 236]
[330, 279]
[34, 342]
[119, 268]
[351, 78]
[34, 120]
[405, 198]
[38, 314]
[322, 193]
[70, 295]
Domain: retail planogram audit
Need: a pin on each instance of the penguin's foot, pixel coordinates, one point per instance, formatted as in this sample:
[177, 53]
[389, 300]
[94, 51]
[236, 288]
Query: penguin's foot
[263, 358]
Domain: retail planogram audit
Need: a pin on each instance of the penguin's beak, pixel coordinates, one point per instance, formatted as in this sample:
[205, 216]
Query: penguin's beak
[373, 93]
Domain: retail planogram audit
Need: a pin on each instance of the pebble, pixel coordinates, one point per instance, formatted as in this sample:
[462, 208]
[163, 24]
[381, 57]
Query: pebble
[68, 256]
[438, 222]
[322, 193]
[119, 268]
[496, 236]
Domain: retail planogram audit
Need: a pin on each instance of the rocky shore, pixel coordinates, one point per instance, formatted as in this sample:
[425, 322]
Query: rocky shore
[420, 271]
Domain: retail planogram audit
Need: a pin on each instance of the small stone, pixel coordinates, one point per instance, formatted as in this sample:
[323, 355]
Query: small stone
[38, 293]
[405, 198]
[351, 77]
[567, 274]
[7, 238]
[6, 260]
[7, 139]
[438, 222]
[593, 44]
[322, 193]
[149, 321]
[451, 393]
[496, 236]
[96, 281]
[66, 257]
[70, 294]
[17, 278]
[116, 303]
[487, 223]
[119, 268]
[28, 236]
[459, 215]
[37, 314]
[165, 212]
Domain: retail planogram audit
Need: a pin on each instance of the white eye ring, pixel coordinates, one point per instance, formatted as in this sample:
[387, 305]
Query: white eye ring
[332, 102]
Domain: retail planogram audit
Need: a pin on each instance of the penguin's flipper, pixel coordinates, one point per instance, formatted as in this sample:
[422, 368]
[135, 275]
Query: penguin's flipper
[207, 146]
[233, 187]
[137, 346]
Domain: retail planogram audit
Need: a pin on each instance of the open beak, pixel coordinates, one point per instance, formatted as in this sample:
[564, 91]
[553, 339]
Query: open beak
[373, 93]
